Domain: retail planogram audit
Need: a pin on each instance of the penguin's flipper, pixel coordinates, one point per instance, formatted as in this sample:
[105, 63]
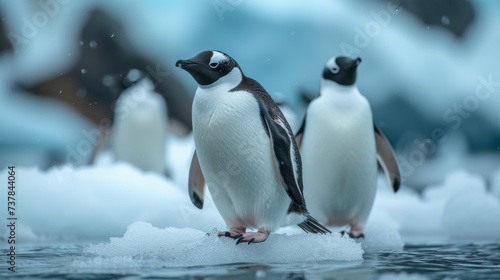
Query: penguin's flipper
[286, 154]
[300, 133]
[100, 144]
[387, 159]
[196, 183]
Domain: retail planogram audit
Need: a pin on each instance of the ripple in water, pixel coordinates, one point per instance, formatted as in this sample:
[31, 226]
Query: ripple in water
[453, 261]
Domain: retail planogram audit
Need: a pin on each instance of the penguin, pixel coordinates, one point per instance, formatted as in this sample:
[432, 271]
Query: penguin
[340, 146]
[245, 151]
[140, 129]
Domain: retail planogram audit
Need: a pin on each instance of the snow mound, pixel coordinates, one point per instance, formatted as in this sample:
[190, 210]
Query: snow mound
[97, 202]
[381, 235]
[472, 214]
[407, 211]
[144, 244]
[460, 207]
[495, 184]
[456, 182]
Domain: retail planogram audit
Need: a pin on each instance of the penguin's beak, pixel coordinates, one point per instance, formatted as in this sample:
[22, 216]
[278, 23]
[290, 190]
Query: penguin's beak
[357, 61]
[184, 64]
[196, 68]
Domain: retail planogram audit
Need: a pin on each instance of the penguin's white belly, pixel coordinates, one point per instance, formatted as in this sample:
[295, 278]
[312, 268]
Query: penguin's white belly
[140, 138]
[339, 166]
[237, 160]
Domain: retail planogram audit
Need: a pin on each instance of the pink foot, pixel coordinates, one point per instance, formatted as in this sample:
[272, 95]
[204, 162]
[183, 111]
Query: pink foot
[233, 232]
[356, 232]
[254, 237]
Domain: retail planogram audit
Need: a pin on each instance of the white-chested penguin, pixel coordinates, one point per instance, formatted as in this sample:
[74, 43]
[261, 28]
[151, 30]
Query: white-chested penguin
[245, 151]
[340, 145]
[140, 129]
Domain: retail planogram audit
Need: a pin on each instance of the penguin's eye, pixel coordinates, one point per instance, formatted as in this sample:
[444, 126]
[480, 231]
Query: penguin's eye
[335, 70]
[214, 64]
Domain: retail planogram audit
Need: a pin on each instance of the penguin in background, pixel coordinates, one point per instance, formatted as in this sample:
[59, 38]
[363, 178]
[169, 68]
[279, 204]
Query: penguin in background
[340, 146]
[245, 152]
[140, 127]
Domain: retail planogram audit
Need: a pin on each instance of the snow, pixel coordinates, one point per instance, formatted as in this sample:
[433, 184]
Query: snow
[380, 234]
[99, 202]
[495, 184]
[149, 245]
[472, 214]
[406, 210]
[460, 207]
[457, 182]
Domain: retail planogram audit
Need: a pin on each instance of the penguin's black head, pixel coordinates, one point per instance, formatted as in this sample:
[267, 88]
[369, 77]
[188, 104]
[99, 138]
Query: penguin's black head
[341, 70]
[209, 66]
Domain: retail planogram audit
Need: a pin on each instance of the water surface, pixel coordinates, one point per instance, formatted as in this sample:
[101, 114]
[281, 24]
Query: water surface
[448, 261]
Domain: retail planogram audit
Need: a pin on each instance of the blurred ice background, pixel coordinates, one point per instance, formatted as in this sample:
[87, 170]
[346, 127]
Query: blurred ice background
[430, 71]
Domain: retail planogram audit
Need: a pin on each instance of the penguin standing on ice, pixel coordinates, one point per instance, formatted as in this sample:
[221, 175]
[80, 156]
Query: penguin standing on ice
[140, 131]
[245, 151]
[140, 128]
[339, 146]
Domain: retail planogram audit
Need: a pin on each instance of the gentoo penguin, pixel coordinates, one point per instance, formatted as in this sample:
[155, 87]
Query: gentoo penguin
[245, 151]
[339, 145]
[140, 129]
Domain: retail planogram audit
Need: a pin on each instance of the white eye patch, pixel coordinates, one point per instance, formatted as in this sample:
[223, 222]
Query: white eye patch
[216, 59]
[332, 66]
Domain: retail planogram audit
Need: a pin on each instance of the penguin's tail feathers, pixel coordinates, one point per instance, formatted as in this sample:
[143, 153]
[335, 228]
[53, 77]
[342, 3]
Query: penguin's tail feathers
[311, 225]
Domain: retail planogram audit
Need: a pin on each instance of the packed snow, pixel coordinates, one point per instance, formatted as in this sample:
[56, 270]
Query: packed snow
[495, 186]
[472, 214]
[460, 207]
[97, 202]
[146, 244]
[90, 203]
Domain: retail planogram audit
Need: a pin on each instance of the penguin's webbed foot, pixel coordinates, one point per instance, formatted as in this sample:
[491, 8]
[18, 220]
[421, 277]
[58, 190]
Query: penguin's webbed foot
[356, 236]
[253, 237]
[233, 232]
[355, 233]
